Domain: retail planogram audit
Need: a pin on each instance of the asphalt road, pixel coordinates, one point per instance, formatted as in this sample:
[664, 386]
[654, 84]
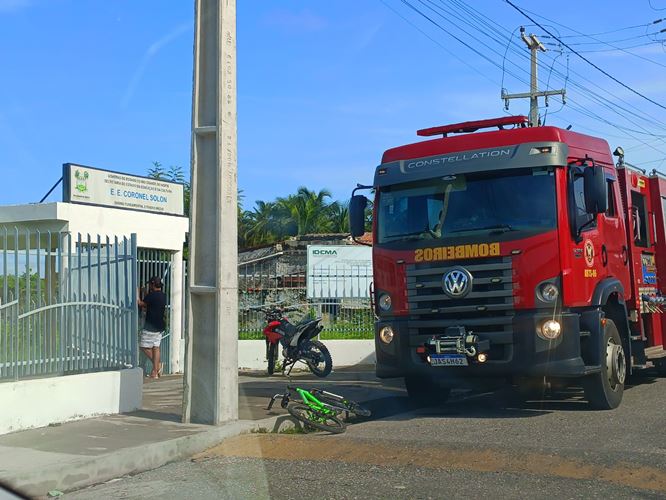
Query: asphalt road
[475, 445]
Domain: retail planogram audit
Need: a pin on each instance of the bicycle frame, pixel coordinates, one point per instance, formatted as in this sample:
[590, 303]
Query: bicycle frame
[307, 398]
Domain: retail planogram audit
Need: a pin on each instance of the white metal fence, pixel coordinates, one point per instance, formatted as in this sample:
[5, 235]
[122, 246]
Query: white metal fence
[67, 303]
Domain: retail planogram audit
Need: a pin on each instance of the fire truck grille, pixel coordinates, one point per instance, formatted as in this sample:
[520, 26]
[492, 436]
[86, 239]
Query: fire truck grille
[486, 310]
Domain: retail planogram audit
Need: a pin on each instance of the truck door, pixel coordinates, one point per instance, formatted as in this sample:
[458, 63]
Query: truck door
[613, 251]
[585, 269]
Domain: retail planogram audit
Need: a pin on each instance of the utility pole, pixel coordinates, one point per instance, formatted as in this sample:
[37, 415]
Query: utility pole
[211, 355]
[534, 45]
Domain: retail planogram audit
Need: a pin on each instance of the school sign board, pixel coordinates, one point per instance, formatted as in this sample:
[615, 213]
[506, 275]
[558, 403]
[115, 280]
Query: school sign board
[93, 186]
[339, 271]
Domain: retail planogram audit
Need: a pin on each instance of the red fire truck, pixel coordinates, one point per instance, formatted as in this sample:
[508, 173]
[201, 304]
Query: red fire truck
[521, 254]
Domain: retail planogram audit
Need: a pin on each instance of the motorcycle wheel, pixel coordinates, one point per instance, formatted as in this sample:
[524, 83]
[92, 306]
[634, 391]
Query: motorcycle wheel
[318, 359]
[272, 358]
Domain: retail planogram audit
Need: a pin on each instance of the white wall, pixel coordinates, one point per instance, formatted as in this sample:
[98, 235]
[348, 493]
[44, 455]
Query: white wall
[252, 353]
[164, 232]
[40, 402]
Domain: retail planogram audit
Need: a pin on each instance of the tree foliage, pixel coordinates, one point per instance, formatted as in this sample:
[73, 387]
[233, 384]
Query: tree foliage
[172, 174]
[304, 212]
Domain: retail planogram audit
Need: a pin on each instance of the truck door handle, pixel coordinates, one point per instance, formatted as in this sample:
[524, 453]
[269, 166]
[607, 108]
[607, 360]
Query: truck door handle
[625, 255]
[604, 255]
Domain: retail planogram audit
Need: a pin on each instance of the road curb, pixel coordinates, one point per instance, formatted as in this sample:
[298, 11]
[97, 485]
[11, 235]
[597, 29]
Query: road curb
[88, 471]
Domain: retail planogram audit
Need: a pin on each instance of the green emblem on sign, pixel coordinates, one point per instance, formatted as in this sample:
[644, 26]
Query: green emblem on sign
[81, 181]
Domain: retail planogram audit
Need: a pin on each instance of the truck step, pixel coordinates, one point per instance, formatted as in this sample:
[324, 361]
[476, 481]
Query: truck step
[655, 352]
[646, 366]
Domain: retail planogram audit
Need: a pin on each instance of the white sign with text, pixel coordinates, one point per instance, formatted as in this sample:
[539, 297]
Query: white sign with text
[112, 189]
[339, 271]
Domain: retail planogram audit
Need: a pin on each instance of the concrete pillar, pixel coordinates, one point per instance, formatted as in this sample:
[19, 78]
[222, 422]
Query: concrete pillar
[211, 352]
[177, 304]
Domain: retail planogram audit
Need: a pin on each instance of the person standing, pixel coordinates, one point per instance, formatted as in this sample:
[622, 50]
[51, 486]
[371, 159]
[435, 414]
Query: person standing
[154, 304]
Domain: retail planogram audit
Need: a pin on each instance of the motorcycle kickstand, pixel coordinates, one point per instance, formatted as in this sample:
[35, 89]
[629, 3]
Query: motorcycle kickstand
[290, 368]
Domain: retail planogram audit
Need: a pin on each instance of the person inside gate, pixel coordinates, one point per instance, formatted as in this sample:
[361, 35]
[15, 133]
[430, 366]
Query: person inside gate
[154, 304]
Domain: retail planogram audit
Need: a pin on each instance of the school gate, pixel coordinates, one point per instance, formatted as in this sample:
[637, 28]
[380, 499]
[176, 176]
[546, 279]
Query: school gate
[67, 303]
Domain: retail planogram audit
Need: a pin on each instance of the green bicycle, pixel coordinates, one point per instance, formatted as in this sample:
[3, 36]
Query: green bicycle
[319, 409]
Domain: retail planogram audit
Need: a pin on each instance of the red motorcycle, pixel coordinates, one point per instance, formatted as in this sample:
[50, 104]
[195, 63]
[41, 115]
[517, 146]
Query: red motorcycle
[297, 341]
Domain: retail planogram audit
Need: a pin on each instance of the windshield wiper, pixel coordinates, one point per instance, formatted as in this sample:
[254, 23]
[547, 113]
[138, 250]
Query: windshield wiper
[407, 236]
[495, 229]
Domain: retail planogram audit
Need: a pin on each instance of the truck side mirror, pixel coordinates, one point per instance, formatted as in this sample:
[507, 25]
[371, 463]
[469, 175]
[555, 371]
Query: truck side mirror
[595, 189]
[357, 206]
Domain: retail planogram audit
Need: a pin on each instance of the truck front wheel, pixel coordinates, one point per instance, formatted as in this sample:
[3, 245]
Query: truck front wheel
[604, 390]
[424, 391]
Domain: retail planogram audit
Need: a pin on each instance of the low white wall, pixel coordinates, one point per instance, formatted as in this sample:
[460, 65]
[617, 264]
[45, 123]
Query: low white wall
[252, 353]
[40, 402]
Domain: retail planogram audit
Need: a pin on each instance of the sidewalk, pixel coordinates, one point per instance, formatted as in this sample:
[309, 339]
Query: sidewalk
[79, 454]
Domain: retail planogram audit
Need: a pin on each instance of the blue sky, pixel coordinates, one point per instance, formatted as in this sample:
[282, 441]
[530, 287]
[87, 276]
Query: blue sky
[323, 87]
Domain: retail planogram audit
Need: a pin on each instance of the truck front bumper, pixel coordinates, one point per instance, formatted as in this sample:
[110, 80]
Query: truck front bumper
[520, 352]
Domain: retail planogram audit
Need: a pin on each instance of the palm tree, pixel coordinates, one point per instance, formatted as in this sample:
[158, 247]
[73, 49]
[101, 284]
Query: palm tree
[261, 224]
[308, 210]
[339, 217]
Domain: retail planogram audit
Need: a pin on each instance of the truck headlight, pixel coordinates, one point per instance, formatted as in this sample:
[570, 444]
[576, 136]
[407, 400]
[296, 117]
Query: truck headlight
[384, 302]
[386, 334]
[548, 292]
[550, 329]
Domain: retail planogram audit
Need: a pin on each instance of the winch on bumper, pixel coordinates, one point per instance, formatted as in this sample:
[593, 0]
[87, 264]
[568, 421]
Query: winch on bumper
[520, 351]
[455, 348]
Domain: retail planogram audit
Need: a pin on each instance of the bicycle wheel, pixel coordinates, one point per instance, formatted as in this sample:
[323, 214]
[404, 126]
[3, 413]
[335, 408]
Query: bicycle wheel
[272, 358]
[318, 420]
[339, 402]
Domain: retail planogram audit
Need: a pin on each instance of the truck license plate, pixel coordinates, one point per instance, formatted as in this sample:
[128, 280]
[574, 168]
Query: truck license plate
[448, 360]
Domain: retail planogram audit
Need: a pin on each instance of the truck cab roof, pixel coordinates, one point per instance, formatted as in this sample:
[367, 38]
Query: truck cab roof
[579, 144]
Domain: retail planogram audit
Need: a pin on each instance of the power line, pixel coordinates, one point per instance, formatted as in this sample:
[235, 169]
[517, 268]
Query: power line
[613, 107]
[574, 108]
[608, 42]
[647, 59]
[604, 72]
[451, 53]
[601, 33]
[655, 8]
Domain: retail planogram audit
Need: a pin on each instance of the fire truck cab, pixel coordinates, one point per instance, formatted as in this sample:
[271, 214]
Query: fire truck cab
[522, 254]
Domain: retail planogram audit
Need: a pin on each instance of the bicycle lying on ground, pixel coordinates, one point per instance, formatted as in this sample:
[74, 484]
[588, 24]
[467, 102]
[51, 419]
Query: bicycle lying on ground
[319, 409]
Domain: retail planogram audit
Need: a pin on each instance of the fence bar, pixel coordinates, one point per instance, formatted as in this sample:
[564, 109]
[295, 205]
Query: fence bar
[134, 317]
[4, 314]
[38, 356]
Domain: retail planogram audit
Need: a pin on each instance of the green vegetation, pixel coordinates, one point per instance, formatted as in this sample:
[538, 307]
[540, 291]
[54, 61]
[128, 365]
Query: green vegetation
[305, 212]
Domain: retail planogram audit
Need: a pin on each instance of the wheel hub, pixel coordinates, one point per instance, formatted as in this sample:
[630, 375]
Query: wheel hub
[616, 366]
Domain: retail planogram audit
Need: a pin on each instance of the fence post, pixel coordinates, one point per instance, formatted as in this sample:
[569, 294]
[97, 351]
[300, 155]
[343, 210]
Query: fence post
[135, 311]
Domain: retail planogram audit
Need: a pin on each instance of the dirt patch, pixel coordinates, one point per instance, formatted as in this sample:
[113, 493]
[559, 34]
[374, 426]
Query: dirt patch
[327, 448]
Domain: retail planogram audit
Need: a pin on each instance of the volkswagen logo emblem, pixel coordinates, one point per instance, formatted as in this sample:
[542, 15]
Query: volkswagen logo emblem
[457, 282]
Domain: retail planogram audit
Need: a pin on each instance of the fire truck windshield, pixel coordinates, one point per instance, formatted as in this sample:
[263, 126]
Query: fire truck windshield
[495, 202]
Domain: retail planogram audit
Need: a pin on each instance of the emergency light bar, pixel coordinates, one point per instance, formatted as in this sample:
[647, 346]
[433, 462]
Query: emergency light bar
[459, 128]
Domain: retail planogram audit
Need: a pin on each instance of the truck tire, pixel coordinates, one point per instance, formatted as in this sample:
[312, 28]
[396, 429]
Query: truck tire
[423, 391]
[604, 390]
